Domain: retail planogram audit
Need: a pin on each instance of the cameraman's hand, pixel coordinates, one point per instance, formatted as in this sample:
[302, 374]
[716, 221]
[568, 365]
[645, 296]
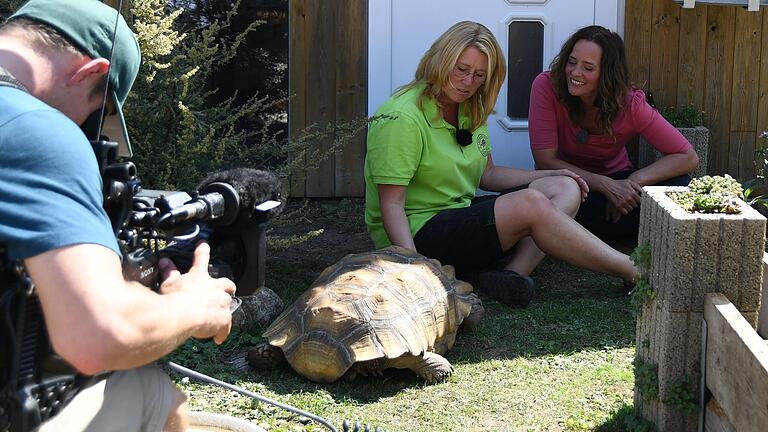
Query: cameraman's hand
[212, 296]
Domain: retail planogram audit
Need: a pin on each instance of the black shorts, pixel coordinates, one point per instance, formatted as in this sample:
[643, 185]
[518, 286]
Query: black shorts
[465, 238]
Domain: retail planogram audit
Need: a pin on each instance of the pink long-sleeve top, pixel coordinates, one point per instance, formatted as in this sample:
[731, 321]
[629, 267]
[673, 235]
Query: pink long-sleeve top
[551, 127]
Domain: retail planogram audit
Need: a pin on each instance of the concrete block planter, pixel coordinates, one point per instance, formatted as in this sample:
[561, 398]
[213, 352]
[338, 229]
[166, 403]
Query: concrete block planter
[697, 136]
[691, 254]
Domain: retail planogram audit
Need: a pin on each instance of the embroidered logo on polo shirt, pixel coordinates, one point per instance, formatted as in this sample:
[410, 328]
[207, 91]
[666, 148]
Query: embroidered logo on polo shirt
[482, 144]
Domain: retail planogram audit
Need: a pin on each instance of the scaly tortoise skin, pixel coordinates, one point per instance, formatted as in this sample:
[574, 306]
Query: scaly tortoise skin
[391, 308]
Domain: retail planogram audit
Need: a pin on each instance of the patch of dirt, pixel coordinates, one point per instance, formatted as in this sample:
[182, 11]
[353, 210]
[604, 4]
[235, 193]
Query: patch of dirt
[309, 236]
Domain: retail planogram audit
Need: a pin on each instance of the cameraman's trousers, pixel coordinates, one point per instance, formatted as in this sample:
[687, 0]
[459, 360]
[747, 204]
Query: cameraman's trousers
[133, 400]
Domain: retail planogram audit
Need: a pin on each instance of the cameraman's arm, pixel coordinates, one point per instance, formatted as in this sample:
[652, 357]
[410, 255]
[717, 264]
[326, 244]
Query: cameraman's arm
[97, 321]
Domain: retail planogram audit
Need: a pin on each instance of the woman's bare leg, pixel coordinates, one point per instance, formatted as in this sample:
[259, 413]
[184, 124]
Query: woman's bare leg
[565, 194]
[529, 213]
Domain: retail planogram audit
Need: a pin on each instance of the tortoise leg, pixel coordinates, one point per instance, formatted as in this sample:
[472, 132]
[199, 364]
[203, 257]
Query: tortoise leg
[431, 367]
[265, 356]
[476, 313]
[366, 368]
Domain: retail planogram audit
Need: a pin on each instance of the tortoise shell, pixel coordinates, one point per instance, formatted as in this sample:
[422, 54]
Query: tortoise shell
[380, 304]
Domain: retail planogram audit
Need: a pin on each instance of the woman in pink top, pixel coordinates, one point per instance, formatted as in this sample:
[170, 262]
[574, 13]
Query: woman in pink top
[582, 114]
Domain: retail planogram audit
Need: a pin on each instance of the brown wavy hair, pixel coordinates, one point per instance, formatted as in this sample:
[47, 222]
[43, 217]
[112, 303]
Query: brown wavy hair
[437, 63]
[613, 84]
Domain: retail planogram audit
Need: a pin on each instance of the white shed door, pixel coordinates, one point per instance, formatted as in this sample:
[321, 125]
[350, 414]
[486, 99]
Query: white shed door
[530, 33]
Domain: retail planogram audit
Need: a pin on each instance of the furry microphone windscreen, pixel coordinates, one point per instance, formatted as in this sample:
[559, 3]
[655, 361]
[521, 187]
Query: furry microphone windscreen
[253, 187]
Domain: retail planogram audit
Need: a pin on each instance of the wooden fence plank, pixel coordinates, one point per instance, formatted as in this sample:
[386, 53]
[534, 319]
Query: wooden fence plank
[762, 316]
[664, 52]
[762, 101]
[741, 155]
[351, 80]
[736, 365]
[693, 47]
[715, 419]
[718, 77]
[297, 71]
[746, 56]
[637, 40]
[321, 97]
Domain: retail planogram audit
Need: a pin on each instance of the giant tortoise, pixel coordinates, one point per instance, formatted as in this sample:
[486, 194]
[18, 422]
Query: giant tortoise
[391, 308]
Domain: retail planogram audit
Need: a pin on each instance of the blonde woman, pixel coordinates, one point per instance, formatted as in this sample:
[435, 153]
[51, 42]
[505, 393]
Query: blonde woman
[430, 152]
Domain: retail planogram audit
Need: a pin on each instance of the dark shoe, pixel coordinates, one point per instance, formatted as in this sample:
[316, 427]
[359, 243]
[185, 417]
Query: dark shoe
[506, 286]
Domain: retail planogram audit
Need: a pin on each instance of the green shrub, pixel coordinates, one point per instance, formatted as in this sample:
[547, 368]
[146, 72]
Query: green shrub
[7, 7]
[683, 117]
[642, 293]
[633, 423]
[680, 395]
[178, 134]
[646, 379]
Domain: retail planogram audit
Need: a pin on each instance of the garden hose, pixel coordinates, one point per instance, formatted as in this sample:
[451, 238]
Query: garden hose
[346, 426]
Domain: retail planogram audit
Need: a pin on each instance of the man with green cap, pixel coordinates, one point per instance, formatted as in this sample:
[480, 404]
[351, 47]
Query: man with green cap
[58, 61]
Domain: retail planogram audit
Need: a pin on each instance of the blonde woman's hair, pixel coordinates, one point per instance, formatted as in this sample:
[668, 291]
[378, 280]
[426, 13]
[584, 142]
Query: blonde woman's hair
[437, 63]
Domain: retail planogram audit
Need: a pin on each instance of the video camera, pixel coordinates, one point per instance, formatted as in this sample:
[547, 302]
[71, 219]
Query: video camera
[229, 210]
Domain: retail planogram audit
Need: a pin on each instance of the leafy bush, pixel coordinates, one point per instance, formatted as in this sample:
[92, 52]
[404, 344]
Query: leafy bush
[7, 7]
[681, 396]
[646, 379]
[755, 190]
[633, 423]
[177, 133]
[683, 117]
[642, 293]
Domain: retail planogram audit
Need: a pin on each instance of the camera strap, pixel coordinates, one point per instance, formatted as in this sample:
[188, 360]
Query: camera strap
[8, 80]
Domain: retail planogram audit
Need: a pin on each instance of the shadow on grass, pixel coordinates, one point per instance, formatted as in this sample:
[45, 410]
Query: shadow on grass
[618, 421]
[573, 310]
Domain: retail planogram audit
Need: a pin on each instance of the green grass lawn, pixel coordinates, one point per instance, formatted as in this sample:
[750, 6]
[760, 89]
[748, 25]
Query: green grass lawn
[562, 364]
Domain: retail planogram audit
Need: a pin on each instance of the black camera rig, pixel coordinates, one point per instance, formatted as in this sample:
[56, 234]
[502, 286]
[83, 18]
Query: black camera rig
[229, 211]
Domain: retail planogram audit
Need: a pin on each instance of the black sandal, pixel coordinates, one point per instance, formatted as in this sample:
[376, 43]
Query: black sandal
[507, 287]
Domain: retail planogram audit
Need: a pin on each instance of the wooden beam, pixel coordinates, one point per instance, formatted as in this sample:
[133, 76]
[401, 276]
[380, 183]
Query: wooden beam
[762, 101]
[322, 54]
[715, 419]
[718, 80]
[351, 93]
[665, 41]
[746, 57]
[297, 88]
[736, 365]
[637, 40]
[693, 48]
[762, 316]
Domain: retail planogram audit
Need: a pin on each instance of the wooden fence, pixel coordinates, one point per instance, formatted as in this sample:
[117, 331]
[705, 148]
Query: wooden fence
[712, 57]
[328, 84]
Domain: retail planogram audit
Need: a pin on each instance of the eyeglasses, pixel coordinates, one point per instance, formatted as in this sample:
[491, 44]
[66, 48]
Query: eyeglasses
[461, 71]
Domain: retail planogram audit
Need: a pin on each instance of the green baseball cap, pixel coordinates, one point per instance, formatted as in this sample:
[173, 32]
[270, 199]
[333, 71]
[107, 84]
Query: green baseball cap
[90, 25]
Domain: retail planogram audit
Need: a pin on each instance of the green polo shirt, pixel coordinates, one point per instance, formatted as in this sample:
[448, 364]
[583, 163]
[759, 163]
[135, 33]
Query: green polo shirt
[417, 148]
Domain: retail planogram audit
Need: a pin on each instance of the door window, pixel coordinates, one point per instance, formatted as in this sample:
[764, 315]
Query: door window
[525, 58]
